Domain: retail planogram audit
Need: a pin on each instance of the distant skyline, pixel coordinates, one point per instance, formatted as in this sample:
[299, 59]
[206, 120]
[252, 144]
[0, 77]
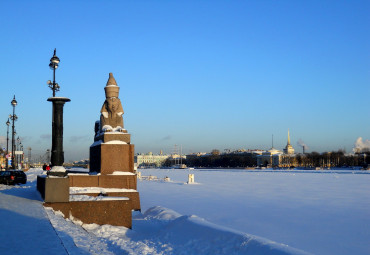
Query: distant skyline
[201, 74]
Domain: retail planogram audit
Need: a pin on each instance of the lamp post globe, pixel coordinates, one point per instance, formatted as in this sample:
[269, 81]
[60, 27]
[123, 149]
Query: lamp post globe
[54, 61]
[14, 102]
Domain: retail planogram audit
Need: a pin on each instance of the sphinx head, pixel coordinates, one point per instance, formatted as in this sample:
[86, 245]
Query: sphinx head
[113, 104]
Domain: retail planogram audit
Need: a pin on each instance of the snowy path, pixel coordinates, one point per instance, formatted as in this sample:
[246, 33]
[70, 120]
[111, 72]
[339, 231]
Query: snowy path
[75, 239]
[26, 228]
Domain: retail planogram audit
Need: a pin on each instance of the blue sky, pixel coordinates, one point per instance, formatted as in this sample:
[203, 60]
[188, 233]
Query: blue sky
[203, 74]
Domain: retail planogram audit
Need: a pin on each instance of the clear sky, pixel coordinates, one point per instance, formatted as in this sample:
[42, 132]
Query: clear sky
[201, 74]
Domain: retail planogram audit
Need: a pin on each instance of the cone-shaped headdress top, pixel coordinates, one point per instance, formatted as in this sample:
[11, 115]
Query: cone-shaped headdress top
[111, 80]
[111, 90]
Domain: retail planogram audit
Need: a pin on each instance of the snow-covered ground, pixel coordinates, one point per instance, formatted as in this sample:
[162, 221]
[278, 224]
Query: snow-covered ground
[317, 212]
[322, 212]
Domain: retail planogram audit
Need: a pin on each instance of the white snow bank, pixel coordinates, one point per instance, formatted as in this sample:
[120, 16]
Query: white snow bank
[160, 213]
[115, 142]
[90, 198]
[163, 231]
[122, 173]
[86, 190]
[116, 130]
[110, 142]
[58, 169]
[79, 170]
[202, 237]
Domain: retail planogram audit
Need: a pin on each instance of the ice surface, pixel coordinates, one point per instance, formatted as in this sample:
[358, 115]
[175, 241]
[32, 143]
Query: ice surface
[323, 212]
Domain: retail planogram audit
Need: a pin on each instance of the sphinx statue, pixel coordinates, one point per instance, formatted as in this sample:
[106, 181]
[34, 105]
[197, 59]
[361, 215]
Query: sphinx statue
[111, 119]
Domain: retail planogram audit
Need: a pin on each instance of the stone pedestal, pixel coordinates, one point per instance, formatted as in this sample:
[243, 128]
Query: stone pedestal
[112, 156]
[106, 158]
[53, 189]
[112, 152]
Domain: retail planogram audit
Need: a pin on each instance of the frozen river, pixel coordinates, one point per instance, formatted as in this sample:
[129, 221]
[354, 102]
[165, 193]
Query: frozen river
[323, 212]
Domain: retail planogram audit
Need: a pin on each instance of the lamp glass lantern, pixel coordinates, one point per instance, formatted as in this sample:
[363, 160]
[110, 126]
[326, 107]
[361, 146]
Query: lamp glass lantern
[14, 102]
[54, 61]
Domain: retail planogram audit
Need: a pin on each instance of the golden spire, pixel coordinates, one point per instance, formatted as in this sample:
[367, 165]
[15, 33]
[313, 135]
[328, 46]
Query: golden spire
[288, 137]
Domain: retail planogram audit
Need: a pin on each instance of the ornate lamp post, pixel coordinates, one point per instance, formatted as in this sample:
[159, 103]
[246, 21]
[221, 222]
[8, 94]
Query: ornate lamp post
[7, 143]
[57, 153]
[13, 118]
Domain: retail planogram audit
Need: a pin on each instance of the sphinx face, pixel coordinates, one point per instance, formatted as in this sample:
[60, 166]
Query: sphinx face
[113, 104]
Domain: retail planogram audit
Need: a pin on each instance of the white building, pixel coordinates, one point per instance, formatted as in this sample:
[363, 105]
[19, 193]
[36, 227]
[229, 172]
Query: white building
[269, 157]
[150, 160]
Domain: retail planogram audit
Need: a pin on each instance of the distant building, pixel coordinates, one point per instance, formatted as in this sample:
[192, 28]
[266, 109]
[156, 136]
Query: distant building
[257, 152]
[284, 160]
[150, 160]
[269, 158]
[276, 158]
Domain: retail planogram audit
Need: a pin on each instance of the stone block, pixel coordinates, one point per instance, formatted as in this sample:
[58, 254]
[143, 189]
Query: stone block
[133, 196]
[101, 212]
[118, 181]
[83, 180]
[104, 181]
[109, 158]
[53, 189]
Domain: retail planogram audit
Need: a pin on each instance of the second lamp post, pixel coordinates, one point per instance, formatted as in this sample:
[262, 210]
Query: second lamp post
[13, 118]
[57, 153]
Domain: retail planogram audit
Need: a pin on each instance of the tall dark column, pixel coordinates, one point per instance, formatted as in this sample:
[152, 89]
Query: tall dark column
[57, 153]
